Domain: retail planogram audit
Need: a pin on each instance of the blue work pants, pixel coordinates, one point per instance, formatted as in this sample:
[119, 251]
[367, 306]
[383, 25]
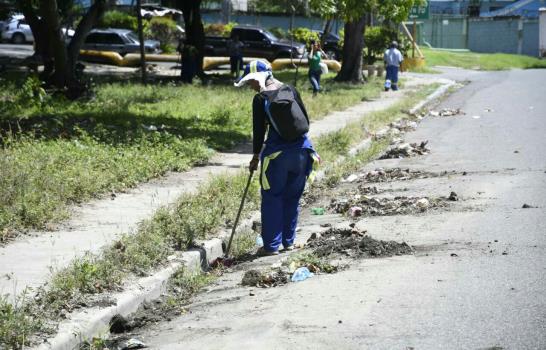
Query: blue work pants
[392, 75]
[314, 78]
[286, 177]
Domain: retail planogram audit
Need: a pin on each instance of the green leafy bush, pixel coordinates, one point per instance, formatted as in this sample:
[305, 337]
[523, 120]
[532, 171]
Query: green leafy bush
[279, 32]
[118, 19]
[219, 29]
[304, 35]
[164, 30]
[378, 39]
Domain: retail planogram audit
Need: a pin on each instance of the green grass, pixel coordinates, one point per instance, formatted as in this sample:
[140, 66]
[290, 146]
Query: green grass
[481, 61]
[55, 152]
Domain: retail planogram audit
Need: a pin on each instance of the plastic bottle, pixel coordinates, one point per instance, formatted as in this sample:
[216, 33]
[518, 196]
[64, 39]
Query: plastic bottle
[259, 241]
[301, 274]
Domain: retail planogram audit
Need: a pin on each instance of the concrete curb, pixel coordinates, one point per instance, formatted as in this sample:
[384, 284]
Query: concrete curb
[94, 322]
[433, 96]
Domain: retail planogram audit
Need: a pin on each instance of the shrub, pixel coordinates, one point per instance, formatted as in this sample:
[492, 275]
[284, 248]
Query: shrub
[304, 35]
[219, 29]
[376, 40]
[279, 32]
[164, 30]
[118, 19]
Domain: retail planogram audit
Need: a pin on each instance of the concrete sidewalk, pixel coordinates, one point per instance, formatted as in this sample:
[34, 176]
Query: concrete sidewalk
[28, 261]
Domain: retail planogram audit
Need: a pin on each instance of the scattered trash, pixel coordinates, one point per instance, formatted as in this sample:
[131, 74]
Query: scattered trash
[454, 255]
[476, 117]
[446, 112]
[259, 241]
[383, 206]
[505, 253]
[398, 174]
[516, 151]
[133, 344]
[453, 197]
[527, 206]
[355, 211]
[489, 110]
[351, 178]
[404, 150]
[340, 321]
[423, 203]
[301, 274]
[318, 211]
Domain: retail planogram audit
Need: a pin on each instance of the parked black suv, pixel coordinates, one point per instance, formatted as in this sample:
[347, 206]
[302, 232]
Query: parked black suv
[258, 43]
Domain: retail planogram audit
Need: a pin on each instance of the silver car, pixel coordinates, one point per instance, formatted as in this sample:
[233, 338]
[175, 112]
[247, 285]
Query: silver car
[122, 41]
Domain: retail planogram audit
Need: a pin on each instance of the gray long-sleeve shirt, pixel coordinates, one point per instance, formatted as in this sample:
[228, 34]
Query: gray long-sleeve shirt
[393, 57]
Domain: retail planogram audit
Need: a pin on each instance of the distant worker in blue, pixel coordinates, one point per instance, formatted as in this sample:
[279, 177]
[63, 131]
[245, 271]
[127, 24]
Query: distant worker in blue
[287, 156]
[393, 59]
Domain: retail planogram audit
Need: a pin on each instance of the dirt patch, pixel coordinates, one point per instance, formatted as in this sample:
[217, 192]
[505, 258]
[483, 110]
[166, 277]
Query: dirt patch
[406, 150]
[265, 279]
[355, 244]
[374, 206]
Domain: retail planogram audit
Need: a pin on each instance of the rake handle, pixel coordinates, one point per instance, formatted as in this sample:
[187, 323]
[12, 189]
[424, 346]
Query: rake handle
[239, 213]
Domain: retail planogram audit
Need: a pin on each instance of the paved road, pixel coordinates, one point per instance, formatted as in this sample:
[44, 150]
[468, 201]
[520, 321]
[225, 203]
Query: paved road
[490, 295]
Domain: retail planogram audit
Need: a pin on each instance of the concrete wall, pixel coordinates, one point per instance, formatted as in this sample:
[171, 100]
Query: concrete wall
[268, 21]
[506, 35]
[542, 33]
[444, 31]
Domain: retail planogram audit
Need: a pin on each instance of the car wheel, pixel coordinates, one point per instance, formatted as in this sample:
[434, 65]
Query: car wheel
[18, 38]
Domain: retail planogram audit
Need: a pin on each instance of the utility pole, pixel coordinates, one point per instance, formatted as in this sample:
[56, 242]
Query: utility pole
[141, 39]
[226, 11]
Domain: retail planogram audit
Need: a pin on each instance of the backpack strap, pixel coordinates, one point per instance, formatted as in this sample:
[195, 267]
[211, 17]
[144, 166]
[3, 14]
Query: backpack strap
[267, 109]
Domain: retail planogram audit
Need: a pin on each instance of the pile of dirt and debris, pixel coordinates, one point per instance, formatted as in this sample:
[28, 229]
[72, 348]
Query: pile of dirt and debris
[404, 150]
[446, 112]
[354, 243]
[395, 129]
[382, 206]
[265, 279]
[397, 174]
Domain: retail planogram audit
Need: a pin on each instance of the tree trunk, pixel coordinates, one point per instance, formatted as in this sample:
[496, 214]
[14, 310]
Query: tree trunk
[86, 24]
[195, 32]
[351, 67]
[50, 16]
[37, 26]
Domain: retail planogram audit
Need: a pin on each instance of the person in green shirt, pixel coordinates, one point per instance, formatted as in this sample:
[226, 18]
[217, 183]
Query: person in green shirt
[314, 58]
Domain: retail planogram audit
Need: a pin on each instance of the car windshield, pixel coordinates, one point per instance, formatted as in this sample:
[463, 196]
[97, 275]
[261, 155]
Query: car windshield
[270, 36]
[132, 36]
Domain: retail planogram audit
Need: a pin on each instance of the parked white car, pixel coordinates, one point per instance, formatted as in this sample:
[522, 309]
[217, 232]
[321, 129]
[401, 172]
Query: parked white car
[17, 31]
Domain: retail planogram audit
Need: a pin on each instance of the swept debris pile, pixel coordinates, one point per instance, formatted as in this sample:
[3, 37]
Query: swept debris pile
[282, 274]
[397, 174]
[374, 206]
[265, 279]
[404, 150]
[354, 243]
[446, 112]
[395, 129]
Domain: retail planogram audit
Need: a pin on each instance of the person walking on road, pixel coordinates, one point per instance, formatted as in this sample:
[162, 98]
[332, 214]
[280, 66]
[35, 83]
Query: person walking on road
[393, 58]
[287, 156]
[315, 71]
[235, 51]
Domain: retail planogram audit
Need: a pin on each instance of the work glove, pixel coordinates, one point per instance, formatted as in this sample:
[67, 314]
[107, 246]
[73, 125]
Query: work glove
[253, 166]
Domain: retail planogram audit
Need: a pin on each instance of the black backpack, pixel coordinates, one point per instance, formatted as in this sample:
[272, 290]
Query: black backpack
[285, 114]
